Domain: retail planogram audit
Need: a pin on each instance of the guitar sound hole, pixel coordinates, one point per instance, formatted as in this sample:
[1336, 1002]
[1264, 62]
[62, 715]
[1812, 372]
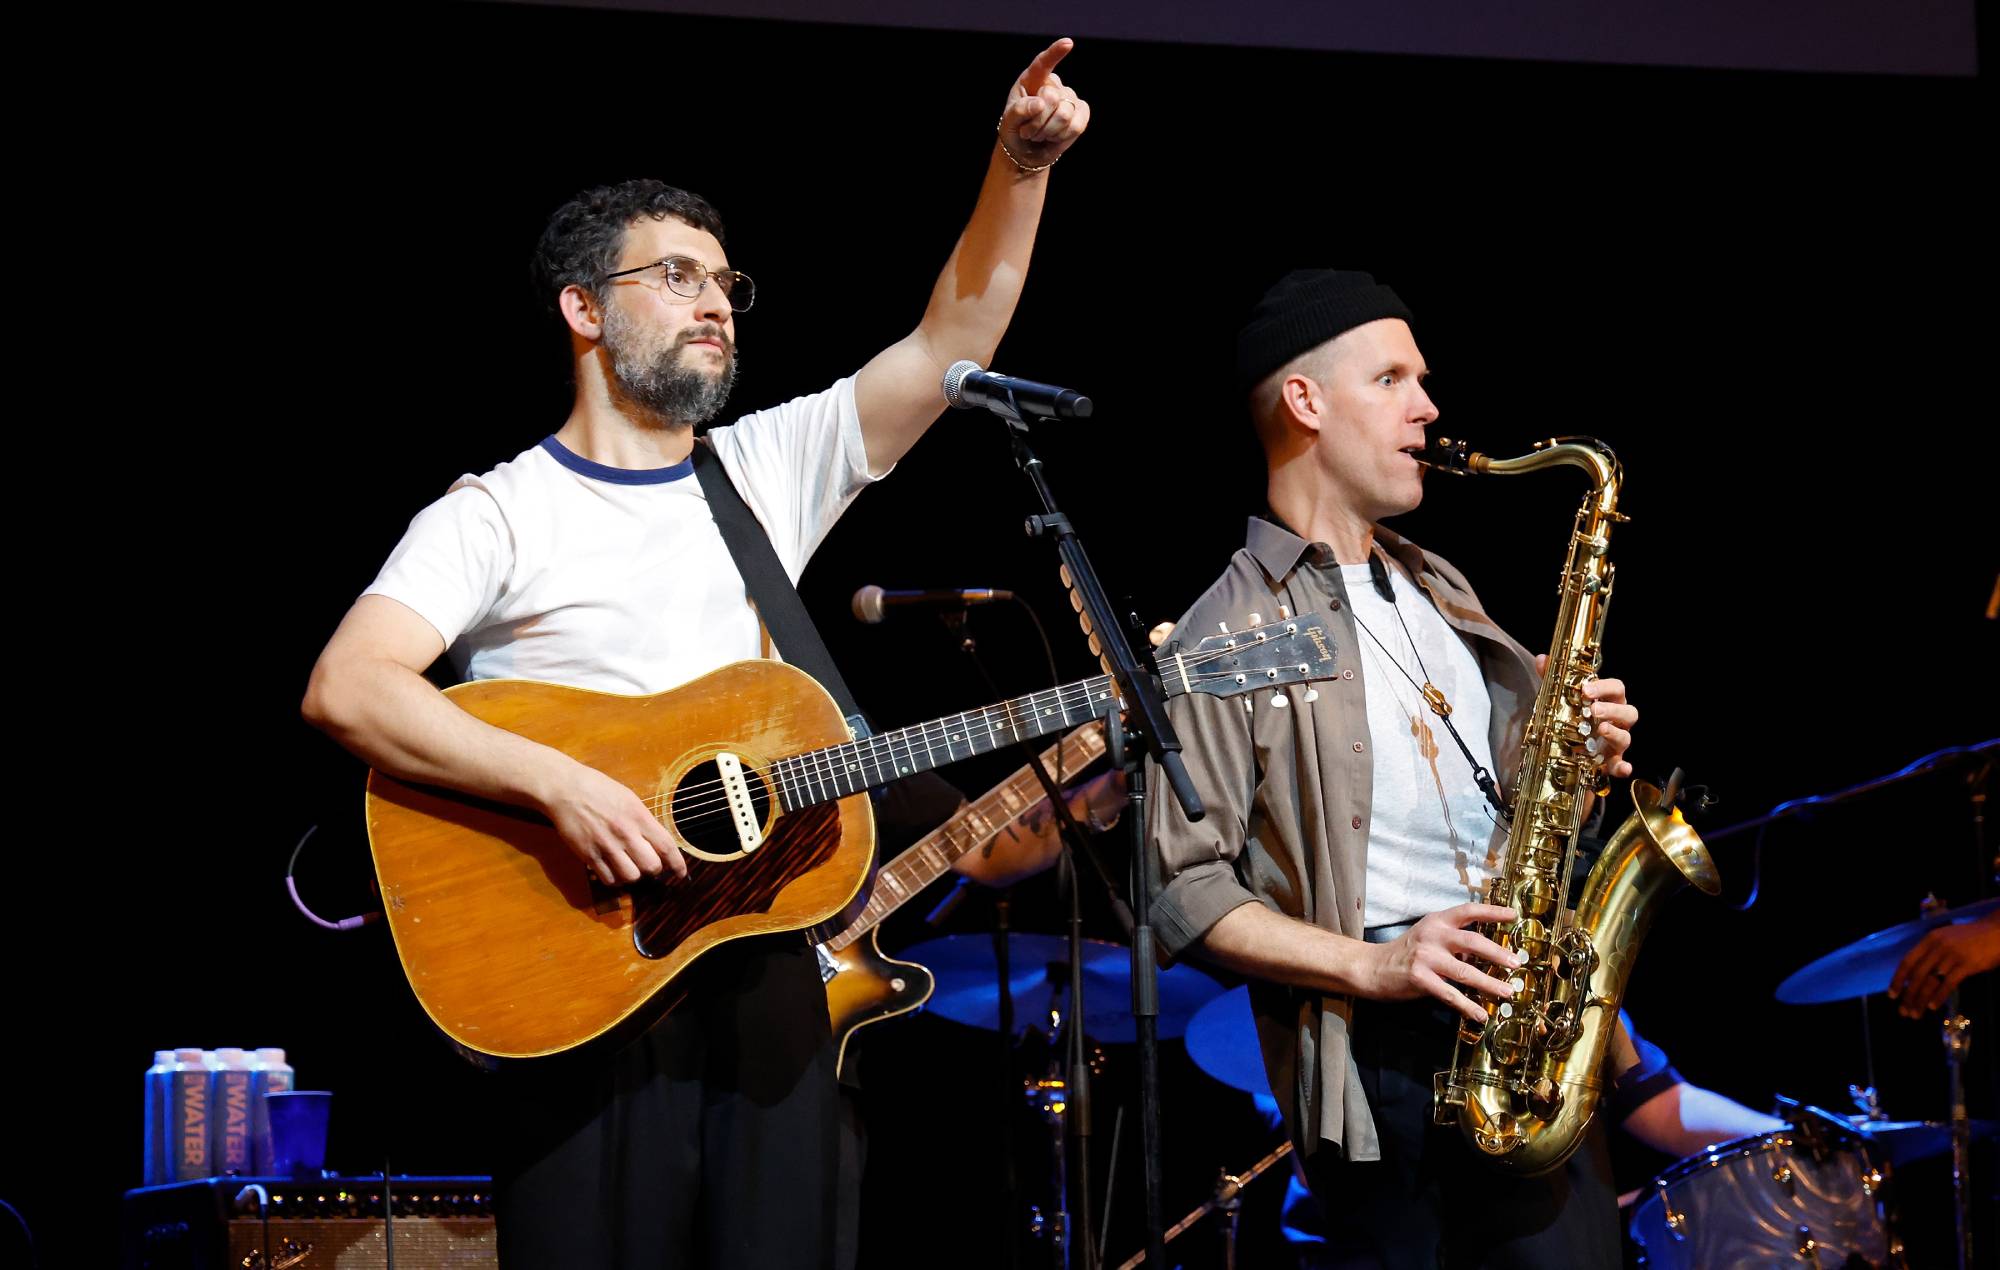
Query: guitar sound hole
[701, 808]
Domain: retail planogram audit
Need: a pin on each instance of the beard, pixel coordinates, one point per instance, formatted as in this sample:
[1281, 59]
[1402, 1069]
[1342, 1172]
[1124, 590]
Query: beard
[659, 380]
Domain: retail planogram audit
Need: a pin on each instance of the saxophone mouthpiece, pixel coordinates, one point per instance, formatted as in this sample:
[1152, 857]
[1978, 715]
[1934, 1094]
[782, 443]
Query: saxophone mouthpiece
[1446, 455]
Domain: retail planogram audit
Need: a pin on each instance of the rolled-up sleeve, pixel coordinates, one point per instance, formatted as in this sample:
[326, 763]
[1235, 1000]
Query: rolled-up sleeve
[1198, 860]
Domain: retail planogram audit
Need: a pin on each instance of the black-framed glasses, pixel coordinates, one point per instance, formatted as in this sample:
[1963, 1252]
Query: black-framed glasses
[685, 277]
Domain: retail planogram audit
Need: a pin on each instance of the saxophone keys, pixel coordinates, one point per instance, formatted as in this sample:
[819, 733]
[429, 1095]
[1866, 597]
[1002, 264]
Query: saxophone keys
[1447, 1096]
[1530, 939]
[1498, 1135]
[1545, 1098]
[1536, 898]
[1507, 1038]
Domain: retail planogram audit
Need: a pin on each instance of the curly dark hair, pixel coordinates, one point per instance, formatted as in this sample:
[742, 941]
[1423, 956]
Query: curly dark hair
[585, 235]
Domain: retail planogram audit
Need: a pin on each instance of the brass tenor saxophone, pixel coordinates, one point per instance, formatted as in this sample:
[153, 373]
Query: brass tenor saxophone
[1524, 1087]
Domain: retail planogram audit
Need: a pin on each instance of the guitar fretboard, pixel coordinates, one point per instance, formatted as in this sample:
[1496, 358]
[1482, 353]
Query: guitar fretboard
[931, 856]
[837, 771]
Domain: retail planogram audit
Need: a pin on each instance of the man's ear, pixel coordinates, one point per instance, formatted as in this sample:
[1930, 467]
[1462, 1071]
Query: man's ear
[582, 311]
[1300, 397]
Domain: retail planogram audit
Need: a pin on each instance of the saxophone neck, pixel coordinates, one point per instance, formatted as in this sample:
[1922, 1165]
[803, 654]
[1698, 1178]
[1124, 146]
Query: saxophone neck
[1588, 453]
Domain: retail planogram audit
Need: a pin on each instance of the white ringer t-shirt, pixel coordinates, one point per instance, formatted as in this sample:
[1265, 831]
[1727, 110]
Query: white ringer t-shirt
[556, 568]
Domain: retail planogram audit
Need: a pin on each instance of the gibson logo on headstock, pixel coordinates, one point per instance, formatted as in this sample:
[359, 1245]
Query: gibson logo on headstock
[1318, 637]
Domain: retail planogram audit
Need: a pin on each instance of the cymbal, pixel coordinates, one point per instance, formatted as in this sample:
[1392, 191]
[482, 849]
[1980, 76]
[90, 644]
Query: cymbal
[1866, 965]
[1222, 1041]
[968, 988]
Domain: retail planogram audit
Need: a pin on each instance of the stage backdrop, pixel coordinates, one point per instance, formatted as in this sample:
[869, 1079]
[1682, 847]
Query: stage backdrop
[296, 309]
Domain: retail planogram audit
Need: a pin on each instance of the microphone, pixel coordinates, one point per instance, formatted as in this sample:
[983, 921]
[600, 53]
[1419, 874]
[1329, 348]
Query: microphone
[871, 603]
[966, 386]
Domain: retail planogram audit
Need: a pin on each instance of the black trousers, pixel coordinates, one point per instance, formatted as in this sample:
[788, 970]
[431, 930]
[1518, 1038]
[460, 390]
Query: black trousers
[1431, 1201]
[710, 1141]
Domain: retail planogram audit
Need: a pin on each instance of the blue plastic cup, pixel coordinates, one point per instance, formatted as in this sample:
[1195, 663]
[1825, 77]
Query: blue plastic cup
[298, 1131]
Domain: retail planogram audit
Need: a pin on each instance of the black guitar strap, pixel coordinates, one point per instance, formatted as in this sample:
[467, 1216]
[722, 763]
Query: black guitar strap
[777, 601]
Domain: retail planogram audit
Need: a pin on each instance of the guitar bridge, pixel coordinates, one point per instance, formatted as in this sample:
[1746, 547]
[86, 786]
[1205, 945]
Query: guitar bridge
[742, 811]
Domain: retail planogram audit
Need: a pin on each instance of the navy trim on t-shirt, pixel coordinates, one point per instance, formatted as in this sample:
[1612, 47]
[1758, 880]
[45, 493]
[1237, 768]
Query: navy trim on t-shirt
[616, 475]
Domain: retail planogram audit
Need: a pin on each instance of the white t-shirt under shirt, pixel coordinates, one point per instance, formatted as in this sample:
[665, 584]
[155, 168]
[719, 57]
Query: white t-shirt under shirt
[556, 568]
[1430, 829]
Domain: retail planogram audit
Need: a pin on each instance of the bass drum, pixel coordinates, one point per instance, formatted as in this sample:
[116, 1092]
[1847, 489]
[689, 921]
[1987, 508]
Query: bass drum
[1772, 1199]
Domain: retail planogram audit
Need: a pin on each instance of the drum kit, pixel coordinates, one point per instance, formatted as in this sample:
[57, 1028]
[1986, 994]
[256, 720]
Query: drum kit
[1812, 1192]
[1809, 1194]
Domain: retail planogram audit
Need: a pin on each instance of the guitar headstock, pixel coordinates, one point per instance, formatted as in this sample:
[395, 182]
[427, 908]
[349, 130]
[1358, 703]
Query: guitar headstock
[1262, 655]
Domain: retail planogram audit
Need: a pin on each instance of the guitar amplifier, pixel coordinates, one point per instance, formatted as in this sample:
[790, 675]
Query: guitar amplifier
[251, 1223]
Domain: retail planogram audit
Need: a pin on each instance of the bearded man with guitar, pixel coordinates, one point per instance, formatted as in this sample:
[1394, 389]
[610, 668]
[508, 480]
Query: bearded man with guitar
[592, 561]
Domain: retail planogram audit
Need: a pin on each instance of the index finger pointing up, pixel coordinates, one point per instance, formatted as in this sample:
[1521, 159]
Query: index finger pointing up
[1045, 61]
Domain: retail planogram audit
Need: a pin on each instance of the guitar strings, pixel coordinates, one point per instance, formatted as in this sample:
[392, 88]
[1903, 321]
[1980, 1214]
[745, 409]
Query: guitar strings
[882, 751]
[897, 749]
[819, 765]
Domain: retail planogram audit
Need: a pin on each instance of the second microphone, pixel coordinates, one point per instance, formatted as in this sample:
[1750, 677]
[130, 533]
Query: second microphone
[872, 603]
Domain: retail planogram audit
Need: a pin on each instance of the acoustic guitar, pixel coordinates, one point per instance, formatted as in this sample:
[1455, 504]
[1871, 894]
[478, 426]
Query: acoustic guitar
[516, 951]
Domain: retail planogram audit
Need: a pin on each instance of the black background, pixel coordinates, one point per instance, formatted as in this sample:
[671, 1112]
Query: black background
[305, 311]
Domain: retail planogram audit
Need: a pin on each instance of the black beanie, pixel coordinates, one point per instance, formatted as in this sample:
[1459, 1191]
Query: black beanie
[1305, 309]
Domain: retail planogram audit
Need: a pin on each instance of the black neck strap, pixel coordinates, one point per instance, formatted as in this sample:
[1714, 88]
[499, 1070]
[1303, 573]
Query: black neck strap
[777, 601]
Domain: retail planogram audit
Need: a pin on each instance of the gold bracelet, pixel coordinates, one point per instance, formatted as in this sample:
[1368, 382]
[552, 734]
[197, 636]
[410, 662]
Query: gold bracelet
[1010, 154]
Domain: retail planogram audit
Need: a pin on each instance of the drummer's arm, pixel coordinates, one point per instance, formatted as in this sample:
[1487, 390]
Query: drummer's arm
[1664, 1111]
[1930, 972]
[1683, 1119]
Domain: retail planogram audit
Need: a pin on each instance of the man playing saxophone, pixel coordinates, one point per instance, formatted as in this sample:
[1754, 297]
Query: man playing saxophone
[1352, 826]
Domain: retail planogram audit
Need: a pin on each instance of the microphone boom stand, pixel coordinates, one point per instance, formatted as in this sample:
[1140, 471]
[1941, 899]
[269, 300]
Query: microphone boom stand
[1076, 1089]
[1147, 731]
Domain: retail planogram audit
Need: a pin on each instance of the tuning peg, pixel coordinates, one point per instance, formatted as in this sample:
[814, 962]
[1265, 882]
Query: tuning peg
[1278, 700]
[1312, 694]
[1224, 626]
[1256, 620]
[1284, 614]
